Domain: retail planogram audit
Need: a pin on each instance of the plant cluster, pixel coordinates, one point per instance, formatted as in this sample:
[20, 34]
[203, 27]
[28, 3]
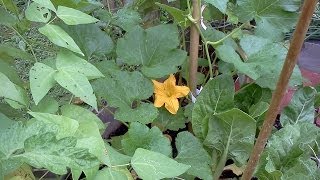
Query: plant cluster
[132, 62]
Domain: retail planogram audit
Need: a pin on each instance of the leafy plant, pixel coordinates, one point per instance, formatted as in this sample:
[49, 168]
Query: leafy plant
[109, 59]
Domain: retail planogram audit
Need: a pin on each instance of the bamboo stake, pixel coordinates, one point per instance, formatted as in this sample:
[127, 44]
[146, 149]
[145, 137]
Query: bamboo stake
[194, 46]
[291, 60]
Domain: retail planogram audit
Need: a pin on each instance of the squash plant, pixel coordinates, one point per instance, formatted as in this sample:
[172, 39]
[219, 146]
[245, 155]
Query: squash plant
[115, 61]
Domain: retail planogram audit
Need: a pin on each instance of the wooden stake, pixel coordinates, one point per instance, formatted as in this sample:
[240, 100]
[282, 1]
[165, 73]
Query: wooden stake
[290, 62]
[194, 47]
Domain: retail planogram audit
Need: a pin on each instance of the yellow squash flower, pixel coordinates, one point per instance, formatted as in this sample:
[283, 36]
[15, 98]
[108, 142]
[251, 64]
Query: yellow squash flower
[168, 92]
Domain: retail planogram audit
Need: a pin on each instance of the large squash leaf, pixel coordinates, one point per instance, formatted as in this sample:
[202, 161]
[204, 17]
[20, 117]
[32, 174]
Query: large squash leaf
[154, 49]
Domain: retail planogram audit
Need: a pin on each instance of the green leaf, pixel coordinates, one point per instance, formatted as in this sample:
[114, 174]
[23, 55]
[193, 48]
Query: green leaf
[251, 95]
[90, 39]
[46, 105]
[48, 4]
[107, 68]
[6, 18]
[301, 107]
[9, 51]
[216, 97]
[140, 136]
[68, 62]
[88, 134]
[11, 92]
[11, 73]
[179, 16]
[5, 122]
[12, 138]
[258, 109]
[191, 152]
[59, 37]
[78, 85]
[41, 80]
[151, 165]
[67, 126]
[113, 174]
[260, 54]
[10, 5]
[277, 15]
[288, 151]
[45, 151]
[81, 114]
[114, 158]
[154, 49]
[126, 18]
[233, 133]
[145, 113]
[37, 13]
[117, 95]
[166, 120]
[219, 4]
[72, 16]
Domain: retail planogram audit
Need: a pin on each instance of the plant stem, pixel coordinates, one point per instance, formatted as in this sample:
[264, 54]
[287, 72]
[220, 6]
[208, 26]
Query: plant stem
[31, 49]
[227, 36]
[194, 46]
[290, 62]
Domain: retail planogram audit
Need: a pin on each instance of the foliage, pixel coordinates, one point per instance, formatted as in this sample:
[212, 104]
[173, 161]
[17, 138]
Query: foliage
[110, 58]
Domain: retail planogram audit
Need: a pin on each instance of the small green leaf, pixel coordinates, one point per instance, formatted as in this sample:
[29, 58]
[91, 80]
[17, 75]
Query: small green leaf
[155, 49]
[67, 61]
[37, 13]
[191, 152]
[232, 132]
[140, 136]
[249, 95]
[301, 107]
[78, 85]
[258, 109]
[11, 92]
[46, 105]
[113, 174]
[67, 126]
[216, 97]
[73, 17]
[219, 4]
[145, 113]
[59, 37]
[179, 16]
[151, 165]
[114, 158]
[41, 81]
[46, 3]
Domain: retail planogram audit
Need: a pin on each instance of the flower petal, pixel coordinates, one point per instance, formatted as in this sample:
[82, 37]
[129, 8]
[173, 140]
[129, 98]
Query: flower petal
[158, 87]
[170, 83]
[181, 91]
[159, 100]
[172, 105]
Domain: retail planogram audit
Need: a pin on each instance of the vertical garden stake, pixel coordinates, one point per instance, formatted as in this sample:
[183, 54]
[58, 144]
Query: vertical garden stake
[194, 47]
[291, 60]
